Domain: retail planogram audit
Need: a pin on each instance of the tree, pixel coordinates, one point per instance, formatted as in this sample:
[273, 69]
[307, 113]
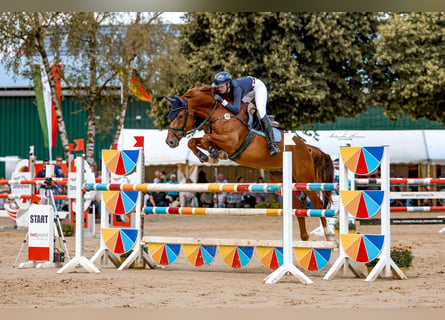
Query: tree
[412, 47]
[151, 49]
[317, 66]
[23, 38]
[100, 51]
[108, 48]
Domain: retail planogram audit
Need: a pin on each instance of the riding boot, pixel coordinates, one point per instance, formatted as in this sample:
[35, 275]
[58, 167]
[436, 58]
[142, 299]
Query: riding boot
[272, 146]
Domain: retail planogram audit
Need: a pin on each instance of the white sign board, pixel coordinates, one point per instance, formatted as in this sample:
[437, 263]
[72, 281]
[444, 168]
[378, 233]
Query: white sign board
[41, 233]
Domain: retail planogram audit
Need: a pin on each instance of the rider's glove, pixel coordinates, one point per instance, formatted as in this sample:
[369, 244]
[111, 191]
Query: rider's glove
[221, 100]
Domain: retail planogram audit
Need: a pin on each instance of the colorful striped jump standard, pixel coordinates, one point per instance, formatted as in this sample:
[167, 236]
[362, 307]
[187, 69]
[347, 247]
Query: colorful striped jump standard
[239, 211]
[208, 187]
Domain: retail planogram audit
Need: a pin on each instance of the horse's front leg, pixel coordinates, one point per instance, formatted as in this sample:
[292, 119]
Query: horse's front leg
[210, 141]
[193, 145]
[318, 204]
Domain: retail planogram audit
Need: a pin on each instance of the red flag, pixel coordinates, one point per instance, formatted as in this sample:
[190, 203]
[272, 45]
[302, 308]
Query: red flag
[35, 199]
[137, 88]
[71, 147]
[79, 145]
[139, 141]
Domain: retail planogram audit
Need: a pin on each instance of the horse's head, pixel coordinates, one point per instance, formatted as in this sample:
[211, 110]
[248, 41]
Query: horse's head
[181, 121]
[187, 111]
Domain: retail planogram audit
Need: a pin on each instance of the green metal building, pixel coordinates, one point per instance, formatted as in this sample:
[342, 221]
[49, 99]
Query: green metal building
[20, 126]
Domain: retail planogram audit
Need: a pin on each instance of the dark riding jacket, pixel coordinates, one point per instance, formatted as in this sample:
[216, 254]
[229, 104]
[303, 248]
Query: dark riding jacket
[239, 88]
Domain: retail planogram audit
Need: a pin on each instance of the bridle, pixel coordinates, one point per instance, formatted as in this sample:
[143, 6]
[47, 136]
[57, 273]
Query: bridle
[192, 131]
[182, 130]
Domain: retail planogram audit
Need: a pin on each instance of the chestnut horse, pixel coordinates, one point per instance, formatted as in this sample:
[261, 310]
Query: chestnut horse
[225, 133]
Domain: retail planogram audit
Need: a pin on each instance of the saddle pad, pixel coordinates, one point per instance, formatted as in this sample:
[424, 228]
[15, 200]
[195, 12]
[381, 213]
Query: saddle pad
[276, 132]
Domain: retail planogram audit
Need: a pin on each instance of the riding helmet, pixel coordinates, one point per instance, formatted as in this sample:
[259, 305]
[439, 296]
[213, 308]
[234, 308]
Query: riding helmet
[221, 79]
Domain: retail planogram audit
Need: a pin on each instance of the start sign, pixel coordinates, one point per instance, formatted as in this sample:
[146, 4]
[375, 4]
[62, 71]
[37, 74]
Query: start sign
[41, 233]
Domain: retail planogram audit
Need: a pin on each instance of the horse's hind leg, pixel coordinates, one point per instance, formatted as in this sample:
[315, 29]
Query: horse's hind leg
[318, 204]
[276, 177]
[303, 170]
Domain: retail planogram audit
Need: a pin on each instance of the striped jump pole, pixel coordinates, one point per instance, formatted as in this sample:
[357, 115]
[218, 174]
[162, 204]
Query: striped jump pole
[418, 181]
[208, 187]
[31, 196]
[418, 209]
[240, 211]
[39, 181]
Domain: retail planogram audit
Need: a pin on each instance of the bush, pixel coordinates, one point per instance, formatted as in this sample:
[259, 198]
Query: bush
[351, 226]
[67, 229]
[272, 205]
[401, 255]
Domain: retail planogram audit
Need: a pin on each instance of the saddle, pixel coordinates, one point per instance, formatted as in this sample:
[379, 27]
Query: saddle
[254, 123]
[255, 128]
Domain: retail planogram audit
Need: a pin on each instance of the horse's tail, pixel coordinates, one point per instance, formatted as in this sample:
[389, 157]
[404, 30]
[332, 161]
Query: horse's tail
[324, 172]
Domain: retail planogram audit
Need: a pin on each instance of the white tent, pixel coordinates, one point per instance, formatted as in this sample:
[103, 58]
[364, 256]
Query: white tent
[406, 146]
[157, 152]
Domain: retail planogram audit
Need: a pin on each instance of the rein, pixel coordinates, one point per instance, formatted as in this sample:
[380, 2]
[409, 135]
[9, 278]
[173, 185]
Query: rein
[182, 130]
[207, 120]
[203, 123]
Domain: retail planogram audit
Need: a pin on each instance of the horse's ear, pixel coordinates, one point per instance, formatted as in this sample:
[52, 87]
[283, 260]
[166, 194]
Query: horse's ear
[171, 100]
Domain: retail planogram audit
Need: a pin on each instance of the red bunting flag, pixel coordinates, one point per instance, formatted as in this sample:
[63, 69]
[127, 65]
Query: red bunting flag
[35, 199]
[79, 145]
[139, 141]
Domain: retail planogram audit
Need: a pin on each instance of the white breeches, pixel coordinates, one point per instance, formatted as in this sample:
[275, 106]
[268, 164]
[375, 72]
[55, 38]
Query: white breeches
[259, 92]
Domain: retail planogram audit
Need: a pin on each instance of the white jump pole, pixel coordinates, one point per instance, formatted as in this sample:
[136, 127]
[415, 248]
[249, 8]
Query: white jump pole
[79, 259]
[287, 267]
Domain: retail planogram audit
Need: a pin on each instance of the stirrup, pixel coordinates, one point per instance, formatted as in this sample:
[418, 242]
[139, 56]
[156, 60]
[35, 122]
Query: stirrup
[273, 149]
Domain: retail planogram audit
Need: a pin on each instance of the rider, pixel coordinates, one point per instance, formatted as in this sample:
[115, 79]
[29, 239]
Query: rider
[246, 89]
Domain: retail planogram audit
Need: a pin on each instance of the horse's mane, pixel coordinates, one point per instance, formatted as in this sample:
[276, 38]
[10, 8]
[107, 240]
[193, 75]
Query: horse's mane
[198, 90]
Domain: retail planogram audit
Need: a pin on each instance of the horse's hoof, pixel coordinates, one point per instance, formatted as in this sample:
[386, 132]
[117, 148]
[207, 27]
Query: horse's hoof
[304, 237]
[202, 156]
[330, 237]
[213, 161]
[213, 152]
[223, 155]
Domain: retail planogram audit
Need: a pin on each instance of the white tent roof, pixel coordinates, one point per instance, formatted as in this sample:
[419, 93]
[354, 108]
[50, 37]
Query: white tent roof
[406, 146]
[157, 152]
